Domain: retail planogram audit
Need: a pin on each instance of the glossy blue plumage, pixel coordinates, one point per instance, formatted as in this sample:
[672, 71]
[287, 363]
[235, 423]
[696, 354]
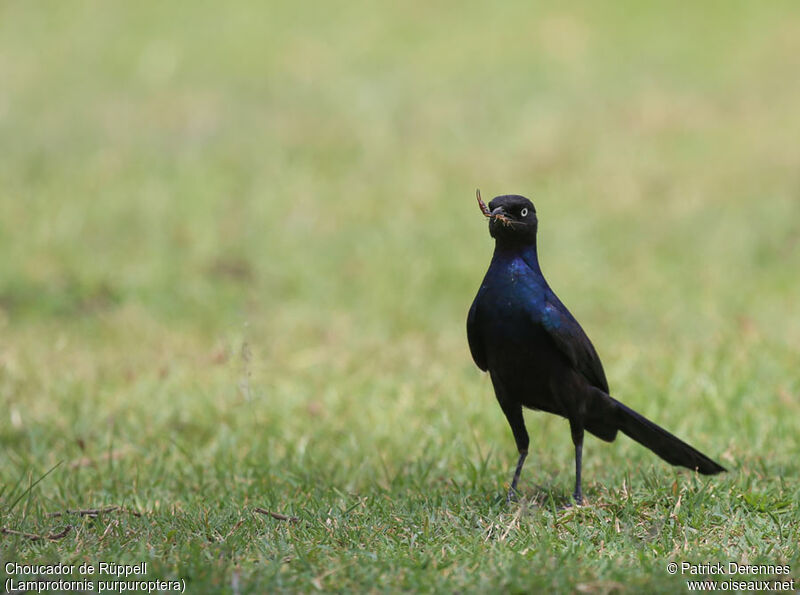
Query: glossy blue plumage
[514, 305]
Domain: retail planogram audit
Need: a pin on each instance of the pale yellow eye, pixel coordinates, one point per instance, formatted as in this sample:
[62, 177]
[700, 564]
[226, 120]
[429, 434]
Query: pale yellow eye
[524, 212]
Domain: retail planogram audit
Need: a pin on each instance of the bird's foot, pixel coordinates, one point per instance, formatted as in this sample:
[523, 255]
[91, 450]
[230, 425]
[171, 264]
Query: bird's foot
[571, 503]
[511, 496]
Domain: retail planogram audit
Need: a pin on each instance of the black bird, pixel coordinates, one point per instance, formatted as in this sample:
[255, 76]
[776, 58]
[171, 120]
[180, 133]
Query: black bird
[538, 355]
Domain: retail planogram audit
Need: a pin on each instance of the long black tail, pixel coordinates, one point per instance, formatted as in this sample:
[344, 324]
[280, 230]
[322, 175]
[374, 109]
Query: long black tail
[670, 448]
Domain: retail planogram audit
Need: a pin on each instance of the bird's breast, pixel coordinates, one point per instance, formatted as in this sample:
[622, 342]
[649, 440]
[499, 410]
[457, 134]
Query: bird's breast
[512, 305]
[512, 292]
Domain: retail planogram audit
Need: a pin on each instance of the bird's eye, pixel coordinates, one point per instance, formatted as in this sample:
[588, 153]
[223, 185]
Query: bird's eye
[524, 212]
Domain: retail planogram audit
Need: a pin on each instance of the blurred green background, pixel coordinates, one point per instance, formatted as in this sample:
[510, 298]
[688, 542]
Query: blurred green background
[239, 242]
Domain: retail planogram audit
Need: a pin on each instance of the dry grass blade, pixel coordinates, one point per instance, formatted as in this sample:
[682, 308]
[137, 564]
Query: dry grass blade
[35, 536]
[94, 512]
[276, 515]
[111, 525]
[235, 528]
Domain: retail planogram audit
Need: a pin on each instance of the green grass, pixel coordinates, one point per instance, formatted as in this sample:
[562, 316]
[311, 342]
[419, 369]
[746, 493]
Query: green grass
[238, 248]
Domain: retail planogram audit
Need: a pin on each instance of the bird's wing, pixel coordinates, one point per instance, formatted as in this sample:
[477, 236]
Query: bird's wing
[475, 337]
[572, 341]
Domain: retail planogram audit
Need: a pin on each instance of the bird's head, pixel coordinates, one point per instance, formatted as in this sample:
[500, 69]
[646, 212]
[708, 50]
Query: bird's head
[512, 219]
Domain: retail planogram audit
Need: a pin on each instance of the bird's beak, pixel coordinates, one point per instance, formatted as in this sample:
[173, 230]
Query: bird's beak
[498, 214]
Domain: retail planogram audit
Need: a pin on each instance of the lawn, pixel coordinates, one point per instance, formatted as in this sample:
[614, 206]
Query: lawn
[239, 244]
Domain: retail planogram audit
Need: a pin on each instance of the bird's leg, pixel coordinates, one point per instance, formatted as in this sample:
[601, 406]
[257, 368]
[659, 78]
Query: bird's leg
[513, 413]
[577, 439]
[578, 495]
[512, 490]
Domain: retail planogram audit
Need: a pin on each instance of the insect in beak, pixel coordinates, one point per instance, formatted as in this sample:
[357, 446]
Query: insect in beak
[487, 213]
[484, 209]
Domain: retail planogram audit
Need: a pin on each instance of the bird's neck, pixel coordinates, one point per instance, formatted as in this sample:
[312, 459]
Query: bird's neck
[506, 252]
